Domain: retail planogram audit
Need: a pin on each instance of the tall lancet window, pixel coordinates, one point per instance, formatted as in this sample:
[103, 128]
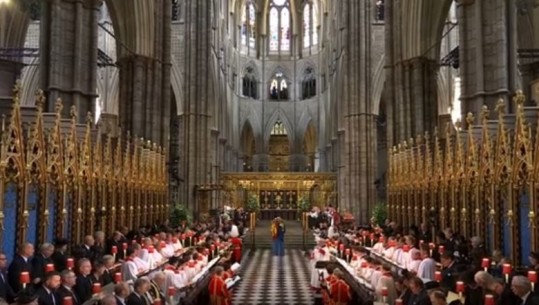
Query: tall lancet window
[280, 21]
[310, 24]
[248, 25]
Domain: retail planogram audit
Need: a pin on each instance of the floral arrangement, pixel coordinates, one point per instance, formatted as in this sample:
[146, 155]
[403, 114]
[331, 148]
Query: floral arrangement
[252, 204]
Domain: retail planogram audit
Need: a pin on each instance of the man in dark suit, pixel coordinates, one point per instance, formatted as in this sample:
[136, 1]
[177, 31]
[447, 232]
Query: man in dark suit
[450, 271]
[21, 263]
[522, 288]
[83, 286]
[6, 292]
[503, 293]
[40, 261]
[121, 292]
[157, 286]
[69, 279]
[86, 250]
[47, 292]
[117, 241]
[137, 297]
[419, 293]
[59, 257]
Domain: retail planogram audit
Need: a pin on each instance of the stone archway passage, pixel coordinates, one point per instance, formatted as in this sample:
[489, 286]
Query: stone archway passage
[268, 279]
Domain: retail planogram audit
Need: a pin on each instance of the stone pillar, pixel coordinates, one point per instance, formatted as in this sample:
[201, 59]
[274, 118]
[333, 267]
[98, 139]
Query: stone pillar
[13, 27]
[198, 66]
[68, 53]
[357, 143]
[261, 162]
[322, 161]
[297, 162]
[487, 53]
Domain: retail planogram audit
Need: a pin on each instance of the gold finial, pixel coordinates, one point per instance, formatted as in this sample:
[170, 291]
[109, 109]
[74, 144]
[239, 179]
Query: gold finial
[519, 98]
[484, 114]
[418, 140]
[470, 119]
[427, 137]
[89, 118]
[58, 106]
[412, 141]
[17, 89]
[73, 113]
[500, 107]
[404, 145]
[40, 100]
[458, 124]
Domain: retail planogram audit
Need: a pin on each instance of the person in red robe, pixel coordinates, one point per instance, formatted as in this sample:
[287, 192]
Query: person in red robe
[328, 282]
[219, 294]
[340, 291]
[236, 249]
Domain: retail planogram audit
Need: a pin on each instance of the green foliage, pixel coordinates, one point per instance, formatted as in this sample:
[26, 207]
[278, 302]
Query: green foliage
[252, 204]
[180, 213]
[379, 213]
[304, 205]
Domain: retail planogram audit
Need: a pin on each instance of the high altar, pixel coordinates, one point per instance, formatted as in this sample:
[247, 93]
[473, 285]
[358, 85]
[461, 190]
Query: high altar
[279, 194]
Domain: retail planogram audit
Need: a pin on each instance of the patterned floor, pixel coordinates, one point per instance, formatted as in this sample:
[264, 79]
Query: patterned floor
[269, 279]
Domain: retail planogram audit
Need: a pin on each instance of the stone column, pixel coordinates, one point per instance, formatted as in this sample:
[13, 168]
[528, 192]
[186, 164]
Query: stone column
[487, 52]
[261, 162]
[14, 21]
[297, 162]
[68, 53]
[357, 142]
[198, 64]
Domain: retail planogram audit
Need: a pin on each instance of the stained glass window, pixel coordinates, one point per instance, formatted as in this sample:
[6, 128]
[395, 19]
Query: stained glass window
[274, 29]
[280, 26]
[248, 25]
[307, 26]
[285, 29]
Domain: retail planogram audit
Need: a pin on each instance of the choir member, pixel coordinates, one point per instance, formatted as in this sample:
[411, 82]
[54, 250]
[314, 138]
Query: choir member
[219, 294]
[340, 291]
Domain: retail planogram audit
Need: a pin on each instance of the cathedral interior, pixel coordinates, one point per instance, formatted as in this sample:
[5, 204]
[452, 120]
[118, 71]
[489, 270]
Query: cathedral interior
[115, 112]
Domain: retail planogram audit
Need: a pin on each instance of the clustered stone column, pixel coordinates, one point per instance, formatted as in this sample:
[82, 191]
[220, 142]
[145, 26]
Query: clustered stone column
[14, 16]
[357, 141]
[487, 52]
[68, 53]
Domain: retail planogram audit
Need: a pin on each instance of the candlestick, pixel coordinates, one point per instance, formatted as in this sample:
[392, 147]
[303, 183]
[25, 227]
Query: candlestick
[67, 301]
[96, 288]
[117, 277]
[399, 302]
[489, 299]
[157, 302]
[49, 268]
[24, 278]
[532, 276]
[506, 270]
[438, 276]
[485, 263]
[70, 263]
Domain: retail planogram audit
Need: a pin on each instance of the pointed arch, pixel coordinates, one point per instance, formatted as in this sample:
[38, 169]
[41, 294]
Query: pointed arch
[278, 115]
[378, 85]
[176, 76]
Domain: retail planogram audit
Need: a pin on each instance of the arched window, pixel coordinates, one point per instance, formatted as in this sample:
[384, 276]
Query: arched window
[278, 129]
[380, 10]
[310, 24]
[278, 87]
[308, 84]
[248, 25]
[249, 84]
[280, 22]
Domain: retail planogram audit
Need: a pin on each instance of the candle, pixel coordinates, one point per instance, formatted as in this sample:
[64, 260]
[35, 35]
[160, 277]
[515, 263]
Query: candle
[70, 263]
[67, 301]
[117, 277]
[506, 270]
[341, 247]
[171, 291]
[460, 287]
[157, 302]
[438, 276]
[385, 291]
[96, 288]
[133, 242]
[489, 299]
[24, 277]
[347, 251]
[441, 249]
[124, 246]
[485, 263]
[399, 302]
[532, 276]
[421, 242]
[49, 268]
[114, 250]
[182, 237]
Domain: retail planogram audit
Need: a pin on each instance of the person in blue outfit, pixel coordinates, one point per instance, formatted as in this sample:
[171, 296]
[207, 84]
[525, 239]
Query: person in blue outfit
[278, 231]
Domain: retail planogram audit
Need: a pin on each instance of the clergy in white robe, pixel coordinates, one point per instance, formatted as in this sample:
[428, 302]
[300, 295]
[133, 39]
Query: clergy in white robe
[427, 267]
[413, 265]
[320, 253]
